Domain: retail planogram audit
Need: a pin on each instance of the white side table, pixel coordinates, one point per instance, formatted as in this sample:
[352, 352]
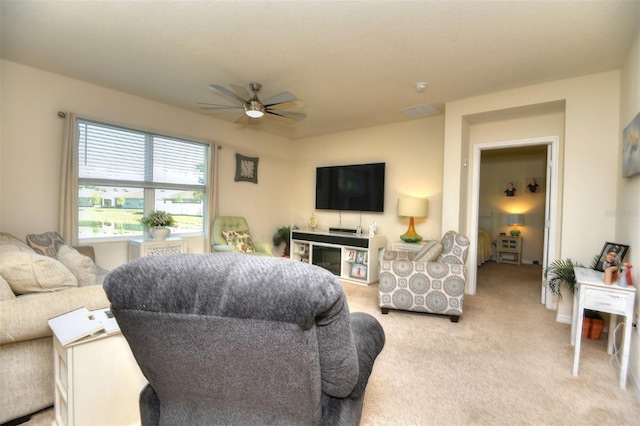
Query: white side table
[593, 293]
[510, 250]
[97, 382]
[404, 246]
[140, 247]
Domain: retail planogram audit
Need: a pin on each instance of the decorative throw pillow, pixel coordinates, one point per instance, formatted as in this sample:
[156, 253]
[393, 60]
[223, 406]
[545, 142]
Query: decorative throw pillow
[429, 252]
[31, 273]
[46, 244]
[81, 266]
[239, 240]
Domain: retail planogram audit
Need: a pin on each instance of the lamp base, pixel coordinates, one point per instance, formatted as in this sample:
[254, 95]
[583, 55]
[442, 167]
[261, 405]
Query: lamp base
[515, 232]
[411, 236]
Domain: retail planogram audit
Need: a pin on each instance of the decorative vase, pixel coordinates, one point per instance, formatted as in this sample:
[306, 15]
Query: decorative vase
[159, 233]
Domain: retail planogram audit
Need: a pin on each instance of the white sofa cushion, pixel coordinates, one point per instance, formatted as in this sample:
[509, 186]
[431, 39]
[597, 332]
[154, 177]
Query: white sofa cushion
[30, 273]
[5, 290]
[81, 266]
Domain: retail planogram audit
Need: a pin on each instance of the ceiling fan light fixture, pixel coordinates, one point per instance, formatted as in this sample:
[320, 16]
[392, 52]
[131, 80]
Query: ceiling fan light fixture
[254, 109]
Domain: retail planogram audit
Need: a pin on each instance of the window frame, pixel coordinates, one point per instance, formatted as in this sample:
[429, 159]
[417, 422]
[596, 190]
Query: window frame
[147, 185]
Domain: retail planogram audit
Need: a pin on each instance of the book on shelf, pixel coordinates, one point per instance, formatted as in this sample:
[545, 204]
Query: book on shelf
[82, 324]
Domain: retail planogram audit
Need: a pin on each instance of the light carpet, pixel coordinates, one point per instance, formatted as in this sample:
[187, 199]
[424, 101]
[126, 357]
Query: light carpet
[506, 362]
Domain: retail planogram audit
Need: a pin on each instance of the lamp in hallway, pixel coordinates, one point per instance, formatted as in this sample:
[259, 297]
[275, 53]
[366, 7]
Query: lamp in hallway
[515, 220]
[412, 207]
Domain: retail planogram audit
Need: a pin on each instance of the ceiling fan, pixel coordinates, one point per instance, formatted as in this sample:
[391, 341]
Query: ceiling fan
[254, 108]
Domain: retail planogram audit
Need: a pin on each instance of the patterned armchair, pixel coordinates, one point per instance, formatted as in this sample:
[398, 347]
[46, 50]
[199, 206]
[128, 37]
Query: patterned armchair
[423, 286]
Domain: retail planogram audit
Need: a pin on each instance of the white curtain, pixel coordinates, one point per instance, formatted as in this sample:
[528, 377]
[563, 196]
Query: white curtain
[68, 211]
[212, 196]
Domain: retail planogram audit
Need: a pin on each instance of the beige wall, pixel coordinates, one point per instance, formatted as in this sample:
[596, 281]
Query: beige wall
[596, 203]
[31, 156]
[31, 153]
[412, 152]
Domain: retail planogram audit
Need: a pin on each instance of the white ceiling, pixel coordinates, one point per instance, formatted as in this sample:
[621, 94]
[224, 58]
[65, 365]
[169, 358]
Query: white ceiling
[354, 63]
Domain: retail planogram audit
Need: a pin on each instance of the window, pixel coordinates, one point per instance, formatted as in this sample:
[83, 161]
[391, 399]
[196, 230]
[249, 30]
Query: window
[123, 173]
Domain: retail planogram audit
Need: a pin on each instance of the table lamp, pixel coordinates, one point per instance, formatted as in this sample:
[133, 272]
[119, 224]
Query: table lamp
[515, 220]
[412, 207]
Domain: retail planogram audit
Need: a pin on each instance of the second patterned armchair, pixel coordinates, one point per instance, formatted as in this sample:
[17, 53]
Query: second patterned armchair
[436, 287]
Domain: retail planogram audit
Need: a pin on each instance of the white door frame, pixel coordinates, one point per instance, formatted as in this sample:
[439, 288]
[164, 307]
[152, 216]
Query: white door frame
[552, 188]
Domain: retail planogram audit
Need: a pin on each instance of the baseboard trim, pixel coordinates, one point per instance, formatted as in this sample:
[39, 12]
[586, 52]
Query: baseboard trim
[565, 319]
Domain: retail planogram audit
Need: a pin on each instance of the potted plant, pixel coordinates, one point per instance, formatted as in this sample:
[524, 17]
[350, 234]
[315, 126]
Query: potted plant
[158, 222]
[561, 271]
[283, 235]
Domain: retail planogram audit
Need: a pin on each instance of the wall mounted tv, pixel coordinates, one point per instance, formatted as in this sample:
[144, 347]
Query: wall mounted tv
[357, 187]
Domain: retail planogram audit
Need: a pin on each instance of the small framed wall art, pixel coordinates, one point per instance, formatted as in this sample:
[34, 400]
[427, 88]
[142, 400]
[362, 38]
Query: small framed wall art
[246, 168]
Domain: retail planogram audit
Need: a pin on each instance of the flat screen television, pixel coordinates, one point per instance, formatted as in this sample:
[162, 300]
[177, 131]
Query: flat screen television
[357, 187]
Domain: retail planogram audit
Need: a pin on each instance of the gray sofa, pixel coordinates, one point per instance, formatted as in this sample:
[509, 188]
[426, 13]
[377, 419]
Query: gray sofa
[26, 343]
[226, 338]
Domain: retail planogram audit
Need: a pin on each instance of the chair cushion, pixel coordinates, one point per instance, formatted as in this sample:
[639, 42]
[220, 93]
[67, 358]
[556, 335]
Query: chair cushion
[46, 244]
[429, 252]
[81, 266]
[30, 273]
[240, 240]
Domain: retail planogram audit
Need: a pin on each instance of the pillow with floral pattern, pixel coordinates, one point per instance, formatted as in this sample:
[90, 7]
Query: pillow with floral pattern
[239, 240]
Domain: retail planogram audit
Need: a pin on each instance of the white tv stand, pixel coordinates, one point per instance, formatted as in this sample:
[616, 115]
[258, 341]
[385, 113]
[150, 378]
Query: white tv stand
[349, 256]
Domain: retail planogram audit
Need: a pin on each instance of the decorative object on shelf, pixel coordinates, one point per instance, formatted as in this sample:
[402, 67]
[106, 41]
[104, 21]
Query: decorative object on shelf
[515, 220]
[372, 229]
[246, 168]
[158, 222]
[313, 222]
[283, 235]
[631, 148]
[561, 271]
[612, 255]
[412, 207]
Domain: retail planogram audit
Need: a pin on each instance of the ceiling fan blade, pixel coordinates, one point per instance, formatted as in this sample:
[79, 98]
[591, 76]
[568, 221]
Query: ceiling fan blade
[280, 98]
[282, 119]
[298, 103]
[228, 93]
[206, 105]
[290, 114]
[287, 117]
[241, 91]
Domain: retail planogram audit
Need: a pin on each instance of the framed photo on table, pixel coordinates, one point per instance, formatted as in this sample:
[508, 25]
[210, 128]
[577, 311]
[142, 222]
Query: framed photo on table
[611, 253]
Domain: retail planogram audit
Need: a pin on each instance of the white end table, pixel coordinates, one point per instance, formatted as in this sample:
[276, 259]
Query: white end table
[593, 293]
[97, 381]
[140, 247]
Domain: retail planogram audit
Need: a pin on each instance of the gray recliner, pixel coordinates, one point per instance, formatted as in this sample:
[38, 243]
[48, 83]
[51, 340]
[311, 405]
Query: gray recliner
[225, 338]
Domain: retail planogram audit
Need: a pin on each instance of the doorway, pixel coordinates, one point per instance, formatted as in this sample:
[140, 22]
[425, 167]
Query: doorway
[551, 206]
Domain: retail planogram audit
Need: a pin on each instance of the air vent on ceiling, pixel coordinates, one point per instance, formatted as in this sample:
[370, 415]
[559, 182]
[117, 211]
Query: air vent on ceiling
[423, 110]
